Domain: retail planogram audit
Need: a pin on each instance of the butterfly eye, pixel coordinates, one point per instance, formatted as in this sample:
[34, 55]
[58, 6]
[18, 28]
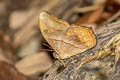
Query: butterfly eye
[69, 32]
[76, 30]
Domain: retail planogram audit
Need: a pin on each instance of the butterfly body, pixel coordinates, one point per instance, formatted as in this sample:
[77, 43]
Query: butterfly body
[66, 40]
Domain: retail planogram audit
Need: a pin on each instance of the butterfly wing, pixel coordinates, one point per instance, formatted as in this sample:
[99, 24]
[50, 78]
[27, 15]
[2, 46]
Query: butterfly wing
[66, 40]
[52, 28]
[77, 39]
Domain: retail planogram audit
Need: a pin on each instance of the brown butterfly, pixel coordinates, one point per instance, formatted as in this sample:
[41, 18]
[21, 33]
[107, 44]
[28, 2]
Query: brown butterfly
[67, 40]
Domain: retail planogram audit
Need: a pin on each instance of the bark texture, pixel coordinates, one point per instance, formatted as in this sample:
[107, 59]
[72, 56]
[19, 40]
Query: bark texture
[94, 70]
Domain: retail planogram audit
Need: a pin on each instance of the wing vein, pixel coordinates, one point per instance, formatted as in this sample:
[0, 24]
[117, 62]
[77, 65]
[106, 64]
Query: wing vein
[64, 42]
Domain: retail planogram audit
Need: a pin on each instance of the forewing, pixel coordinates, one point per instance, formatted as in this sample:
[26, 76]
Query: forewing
[52, 28]
[50, 25]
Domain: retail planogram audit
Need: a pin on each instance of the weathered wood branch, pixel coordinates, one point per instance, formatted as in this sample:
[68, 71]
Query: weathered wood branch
[95, 69]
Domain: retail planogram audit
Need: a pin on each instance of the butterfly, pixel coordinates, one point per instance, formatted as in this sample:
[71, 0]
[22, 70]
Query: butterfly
[65, 39]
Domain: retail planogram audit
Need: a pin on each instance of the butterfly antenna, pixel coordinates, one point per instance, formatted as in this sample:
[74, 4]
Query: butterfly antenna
[47, 45]
[46, 50]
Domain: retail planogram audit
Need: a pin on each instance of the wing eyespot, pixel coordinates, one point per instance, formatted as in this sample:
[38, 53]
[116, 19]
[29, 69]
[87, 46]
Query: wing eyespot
[76, 30]
[69, 32]
[86, 38]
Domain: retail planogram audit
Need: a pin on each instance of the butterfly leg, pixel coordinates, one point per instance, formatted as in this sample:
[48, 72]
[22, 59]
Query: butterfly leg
[117, 57]
[98, 55]
[73, 60]
[85, 61]
[117, 54]
[105, 54]
[109, 48]
[60, 59]
[62, 62]
[116, 45]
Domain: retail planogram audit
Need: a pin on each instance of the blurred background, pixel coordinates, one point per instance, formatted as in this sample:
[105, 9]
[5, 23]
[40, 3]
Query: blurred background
[21, 42]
